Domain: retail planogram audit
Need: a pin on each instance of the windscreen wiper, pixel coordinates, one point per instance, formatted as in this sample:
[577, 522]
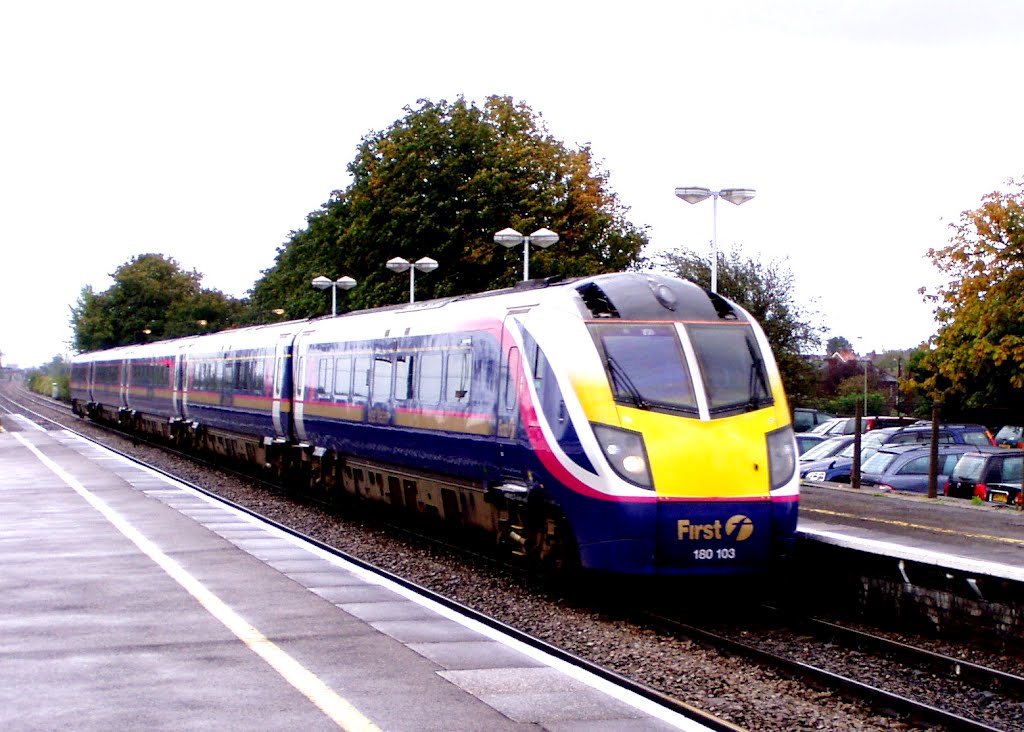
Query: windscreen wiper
[756, 380]
[621, 379]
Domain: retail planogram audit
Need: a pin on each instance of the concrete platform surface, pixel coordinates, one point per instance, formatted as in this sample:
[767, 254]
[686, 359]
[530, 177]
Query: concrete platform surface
[949, 532]
[128, 601]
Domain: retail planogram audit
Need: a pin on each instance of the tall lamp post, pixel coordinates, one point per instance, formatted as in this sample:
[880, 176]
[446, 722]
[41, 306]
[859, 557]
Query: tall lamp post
[732, 195]
[542, 238]
[423, 264]
[322, 283]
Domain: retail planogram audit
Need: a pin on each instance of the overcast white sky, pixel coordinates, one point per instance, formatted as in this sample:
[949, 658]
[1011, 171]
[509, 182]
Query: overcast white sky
[207, 131]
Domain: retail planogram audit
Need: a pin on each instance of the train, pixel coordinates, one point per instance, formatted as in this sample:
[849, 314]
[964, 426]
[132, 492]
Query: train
[629, 423]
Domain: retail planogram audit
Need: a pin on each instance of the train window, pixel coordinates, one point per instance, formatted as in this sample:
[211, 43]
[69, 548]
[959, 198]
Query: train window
[324, 377]
[361, 377]
[404, 372]
[383, 368]
[460, 372]
[731, 365]
[258, 370]
[646, 366]
[343, 376]
[431, 367]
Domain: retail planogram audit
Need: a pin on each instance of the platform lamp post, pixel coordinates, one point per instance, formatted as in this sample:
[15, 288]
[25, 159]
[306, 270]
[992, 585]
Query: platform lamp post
[732, 195]
[423, 264]
[542, 238]
[322, 283]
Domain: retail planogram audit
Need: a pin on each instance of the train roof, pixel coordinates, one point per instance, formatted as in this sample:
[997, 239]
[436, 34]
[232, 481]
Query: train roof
[625, 295]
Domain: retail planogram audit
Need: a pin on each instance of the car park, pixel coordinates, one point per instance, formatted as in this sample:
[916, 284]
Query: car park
[839, 467]
[806, 419]
[906, 467]
[991, 475]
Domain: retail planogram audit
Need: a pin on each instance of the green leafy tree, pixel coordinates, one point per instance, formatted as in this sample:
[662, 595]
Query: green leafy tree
[837, 343]
[977, 358]
[439, 182]
[151, 298]
[851, 393]
[765, 290]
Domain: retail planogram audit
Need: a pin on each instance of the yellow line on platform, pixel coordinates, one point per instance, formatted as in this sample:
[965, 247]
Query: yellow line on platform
[340, 711]
[907, 524]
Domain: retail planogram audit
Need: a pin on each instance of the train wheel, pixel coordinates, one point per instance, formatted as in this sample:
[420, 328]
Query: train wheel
[553, 547]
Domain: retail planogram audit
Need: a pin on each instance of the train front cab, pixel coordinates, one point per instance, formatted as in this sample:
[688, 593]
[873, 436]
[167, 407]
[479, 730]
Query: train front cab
[697, 466]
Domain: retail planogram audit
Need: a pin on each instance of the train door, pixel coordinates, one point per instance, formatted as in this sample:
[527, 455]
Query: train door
[125, 377]
[282, 387]
[178, 385]
[296, 365]
[187, 382]
[510, 386]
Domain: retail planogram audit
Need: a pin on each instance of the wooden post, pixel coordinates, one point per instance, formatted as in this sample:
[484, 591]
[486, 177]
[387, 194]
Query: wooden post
[858, 414]
[933, 457]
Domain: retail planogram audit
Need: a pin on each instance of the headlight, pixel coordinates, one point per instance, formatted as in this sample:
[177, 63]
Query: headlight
[626, 453]
[781, 456]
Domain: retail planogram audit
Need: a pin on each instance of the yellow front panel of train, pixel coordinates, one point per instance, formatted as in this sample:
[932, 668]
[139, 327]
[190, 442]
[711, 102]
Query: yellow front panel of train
[723, 458]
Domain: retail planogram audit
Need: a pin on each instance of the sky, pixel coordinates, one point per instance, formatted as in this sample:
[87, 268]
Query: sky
[207, 131]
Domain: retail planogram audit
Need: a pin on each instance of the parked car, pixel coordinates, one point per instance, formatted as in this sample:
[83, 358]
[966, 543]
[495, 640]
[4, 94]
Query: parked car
[828, 447]
[949, 432]
[805, 441]
[1010, 435]
[906, 467]
[991, 475]
[847, 425]
[829, 426]
[836, 469]
[805, 419]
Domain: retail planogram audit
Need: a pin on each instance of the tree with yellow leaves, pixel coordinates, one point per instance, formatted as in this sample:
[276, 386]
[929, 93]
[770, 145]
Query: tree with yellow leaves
[977, 357]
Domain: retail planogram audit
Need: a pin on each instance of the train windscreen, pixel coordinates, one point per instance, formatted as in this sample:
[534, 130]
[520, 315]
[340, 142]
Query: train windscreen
[731, 365]
[646, 366]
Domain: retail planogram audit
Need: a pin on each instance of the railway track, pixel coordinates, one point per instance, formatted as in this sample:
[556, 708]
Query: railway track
[914, 685]
[889, 674]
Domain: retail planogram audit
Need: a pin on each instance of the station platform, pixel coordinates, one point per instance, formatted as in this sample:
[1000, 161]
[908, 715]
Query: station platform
[129, 601]
[952, 533]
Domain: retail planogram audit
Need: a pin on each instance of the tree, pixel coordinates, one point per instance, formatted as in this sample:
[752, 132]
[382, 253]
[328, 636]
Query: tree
[439, 182]
[977, 358]
[151, 298]
[765, 290]
[837, 343]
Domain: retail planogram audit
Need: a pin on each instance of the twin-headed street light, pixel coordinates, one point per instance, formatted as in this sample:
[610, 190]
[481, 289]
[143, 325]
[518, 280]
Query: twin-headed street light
[732, 195]
[423, 264]
[542, 238]
[322, 283]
